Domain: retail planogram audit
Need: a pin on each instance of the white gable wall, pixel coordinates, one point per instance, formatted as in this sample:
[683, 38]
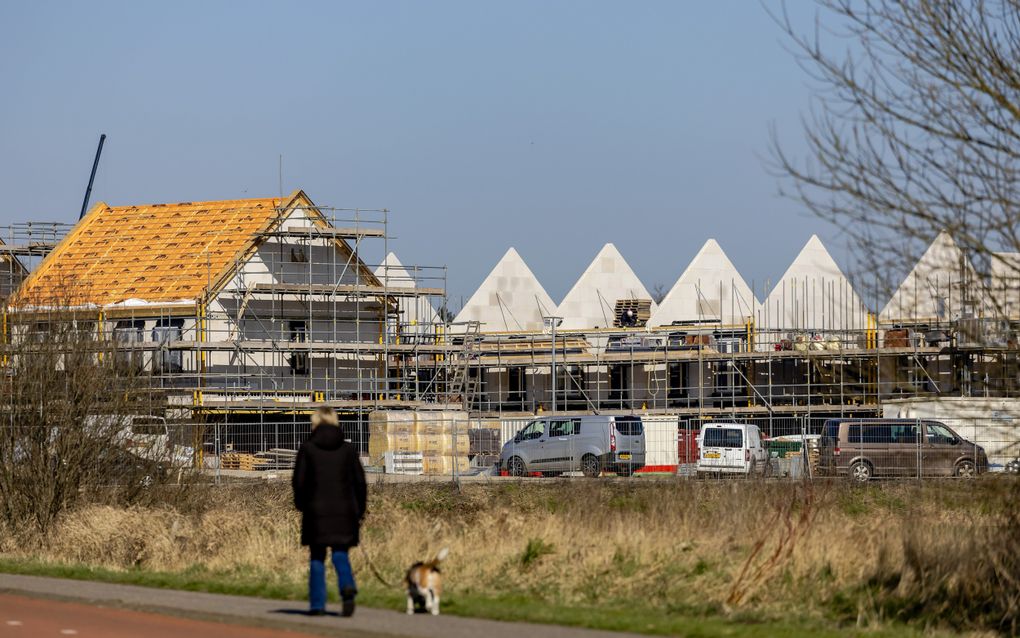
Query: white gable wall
[1005, 284]
[813, 295]
[935, 289]
[509, 299]
[417, 314]
[592, 300]
[710, 289]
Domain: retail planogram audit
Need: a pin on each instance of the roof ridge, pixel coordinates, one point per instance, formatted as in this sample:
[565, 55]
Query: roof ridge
[196, 203]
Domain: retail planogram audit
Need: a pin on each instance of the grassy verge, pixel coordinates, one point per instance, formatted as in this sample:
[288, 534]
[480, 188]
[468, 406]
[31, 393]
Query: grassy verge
[659, 557]
[516, 607]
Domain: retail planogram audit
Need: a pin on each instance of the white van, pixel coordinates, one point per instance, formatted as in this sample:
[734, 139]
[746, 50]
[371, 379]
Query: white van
[731, 448]
[145, 436]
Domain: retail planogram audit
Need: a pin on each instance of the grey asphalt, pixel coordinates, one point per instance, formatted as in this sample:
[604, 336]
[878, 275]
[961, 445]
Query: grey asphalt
[261, 612]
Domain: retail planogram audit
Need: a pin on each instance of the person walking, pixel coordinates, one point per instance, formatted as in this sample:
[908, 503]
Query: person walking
[331, 494]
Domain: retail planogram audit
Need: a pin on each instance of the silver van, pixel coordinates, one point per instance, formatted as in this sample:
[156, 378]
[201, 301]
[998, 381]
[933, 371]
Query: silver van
[587, 444]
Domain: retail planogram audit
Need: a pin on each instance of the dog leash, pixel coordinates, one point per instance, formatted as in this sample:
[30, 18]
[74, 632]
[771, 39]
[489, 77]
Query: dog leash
[375, 571]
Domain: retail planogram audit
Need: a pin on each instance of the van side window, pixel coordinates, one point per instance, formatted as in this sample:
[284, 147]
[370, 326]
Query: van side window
[939, 434]
[534, 430]
[869, 433]
[564, 427]
[904, 433]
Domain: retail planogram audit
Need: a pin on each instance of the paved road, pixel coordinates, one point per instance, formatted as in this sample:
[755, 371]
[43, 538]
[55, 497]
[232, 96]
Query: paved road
[22, 617]
[107, 601]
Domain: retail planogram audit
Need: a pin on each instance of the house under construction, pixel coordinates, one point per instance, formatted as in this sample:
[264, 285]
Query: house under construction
[247, 314]
[712, 350]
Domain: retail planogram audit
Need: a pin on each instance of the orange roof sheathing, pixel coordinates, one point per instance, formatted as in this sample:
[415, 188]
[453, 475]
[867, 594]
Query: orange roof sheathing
[158, 253]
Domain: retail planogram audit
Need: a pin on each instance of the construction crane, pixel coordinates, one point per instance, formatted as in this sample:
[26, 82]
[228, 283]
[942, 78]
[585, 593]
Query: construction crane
[92, 177]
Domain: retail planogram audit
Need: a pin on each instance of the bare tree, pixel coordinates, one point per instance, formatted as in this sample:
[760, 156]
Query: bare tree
[659, 292]
[915, 128]
[67, 405]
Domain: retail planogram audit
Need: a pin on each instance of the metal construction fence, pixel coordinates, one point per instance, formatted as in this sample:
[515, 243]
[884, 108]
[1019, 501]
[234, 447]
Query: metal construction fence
[451, 445]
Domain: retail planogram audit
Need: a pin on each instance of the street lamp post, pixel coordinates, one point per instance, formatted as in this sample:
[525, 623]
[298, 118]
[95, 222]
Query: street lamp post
[552, 322]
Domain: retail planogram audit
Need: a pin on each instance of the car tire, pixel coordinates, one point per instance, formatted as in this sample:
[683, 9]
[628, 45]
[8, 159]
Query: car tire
[516, 467]
[861, 472]
[965, 469]
[591, 466]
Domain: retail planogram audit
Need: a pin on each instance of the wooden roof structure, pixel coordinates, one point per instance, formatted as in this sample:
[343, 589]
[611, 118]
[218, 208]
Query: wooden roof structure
[161, 253]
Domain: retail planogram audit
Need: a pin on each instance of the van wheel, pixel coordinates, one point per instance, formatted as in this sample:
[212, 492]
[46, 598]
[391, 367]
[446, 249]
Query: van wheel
[515, 467]
[965, 469]
[861, 471]
[590, 466]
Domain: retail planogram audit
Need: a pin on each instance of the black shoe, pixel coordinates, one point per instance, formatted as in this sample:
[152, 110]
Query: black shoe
[316, 612]
[347, 601]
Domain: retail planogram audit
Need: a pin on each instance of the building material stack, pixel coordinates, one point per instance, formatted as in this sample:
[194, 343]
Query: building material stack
[440, 436]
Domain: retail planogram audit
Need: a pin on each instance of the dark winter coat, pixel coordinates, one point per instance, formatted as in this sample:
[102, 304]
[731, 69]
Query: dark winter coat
[329, 489]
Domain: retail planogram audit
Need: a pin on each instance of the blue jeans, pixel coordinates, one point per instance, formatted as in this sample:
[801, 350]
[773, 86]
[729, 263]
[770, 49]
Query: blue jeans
[317, 574]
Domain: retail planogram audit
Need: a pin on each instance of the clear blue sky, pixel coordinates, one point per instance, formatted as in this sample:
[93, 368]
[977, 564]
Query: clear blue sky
[553, 127]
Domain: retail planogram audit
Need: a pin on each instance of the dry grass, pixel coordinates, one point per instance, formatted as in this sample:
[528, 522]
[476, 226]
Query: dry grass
[861, 556]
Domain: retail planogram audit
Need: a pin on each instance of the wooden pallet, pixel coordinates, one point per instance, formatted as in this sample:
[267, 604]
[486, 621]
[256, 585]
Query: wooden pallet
[240, 461]
[642, 309]
[563, 344]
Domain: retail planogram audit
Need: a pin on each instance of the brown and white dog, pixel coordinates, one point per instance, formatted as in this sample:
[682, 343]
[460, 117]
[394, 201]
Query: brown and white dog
[425, 585]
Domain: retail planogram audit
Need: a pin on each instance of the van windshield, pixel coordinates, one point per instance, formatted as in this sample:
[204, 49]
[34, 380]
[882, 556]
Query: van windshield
[722, 437]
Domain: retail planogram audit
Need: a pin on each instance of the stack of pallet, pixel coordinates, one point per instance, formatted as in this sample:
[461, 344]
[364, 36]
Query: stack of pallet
[240, 461]
[641, 309]
[441, 437]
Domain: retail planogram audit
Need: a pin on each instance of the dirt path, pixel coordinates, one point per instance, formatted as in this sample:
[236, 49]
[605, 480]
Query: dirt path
[101, 602]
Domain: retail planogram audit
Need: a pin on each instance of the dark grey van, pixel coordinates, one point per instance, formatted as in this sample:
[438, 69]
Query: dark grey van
[587, 444]
[866, 448]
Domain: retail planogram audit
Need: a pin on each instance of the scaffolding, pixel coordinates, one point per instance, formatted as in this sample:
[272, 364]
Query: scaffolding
[311, 314]
[300, 320]
[812, 349]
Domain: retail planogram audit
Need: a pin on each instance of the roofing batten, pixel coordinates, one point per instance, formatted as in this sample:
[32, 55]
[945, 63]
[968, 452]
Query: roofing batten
[158, 253]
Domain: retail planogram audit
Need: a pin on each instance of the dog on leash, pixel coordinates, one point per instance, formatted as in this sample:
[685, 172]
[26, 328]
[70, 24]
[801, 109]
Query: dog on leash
[425, 585]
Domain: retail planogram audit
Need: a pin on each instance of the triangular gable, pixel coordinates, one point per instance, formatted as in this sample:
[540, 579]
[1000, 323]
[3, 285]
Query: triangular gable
[1005, 284]
[510, 298]
[813, 295]
[710, 289]
[414, 311]
[296, 210]
[592, 300]
[936, 287]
